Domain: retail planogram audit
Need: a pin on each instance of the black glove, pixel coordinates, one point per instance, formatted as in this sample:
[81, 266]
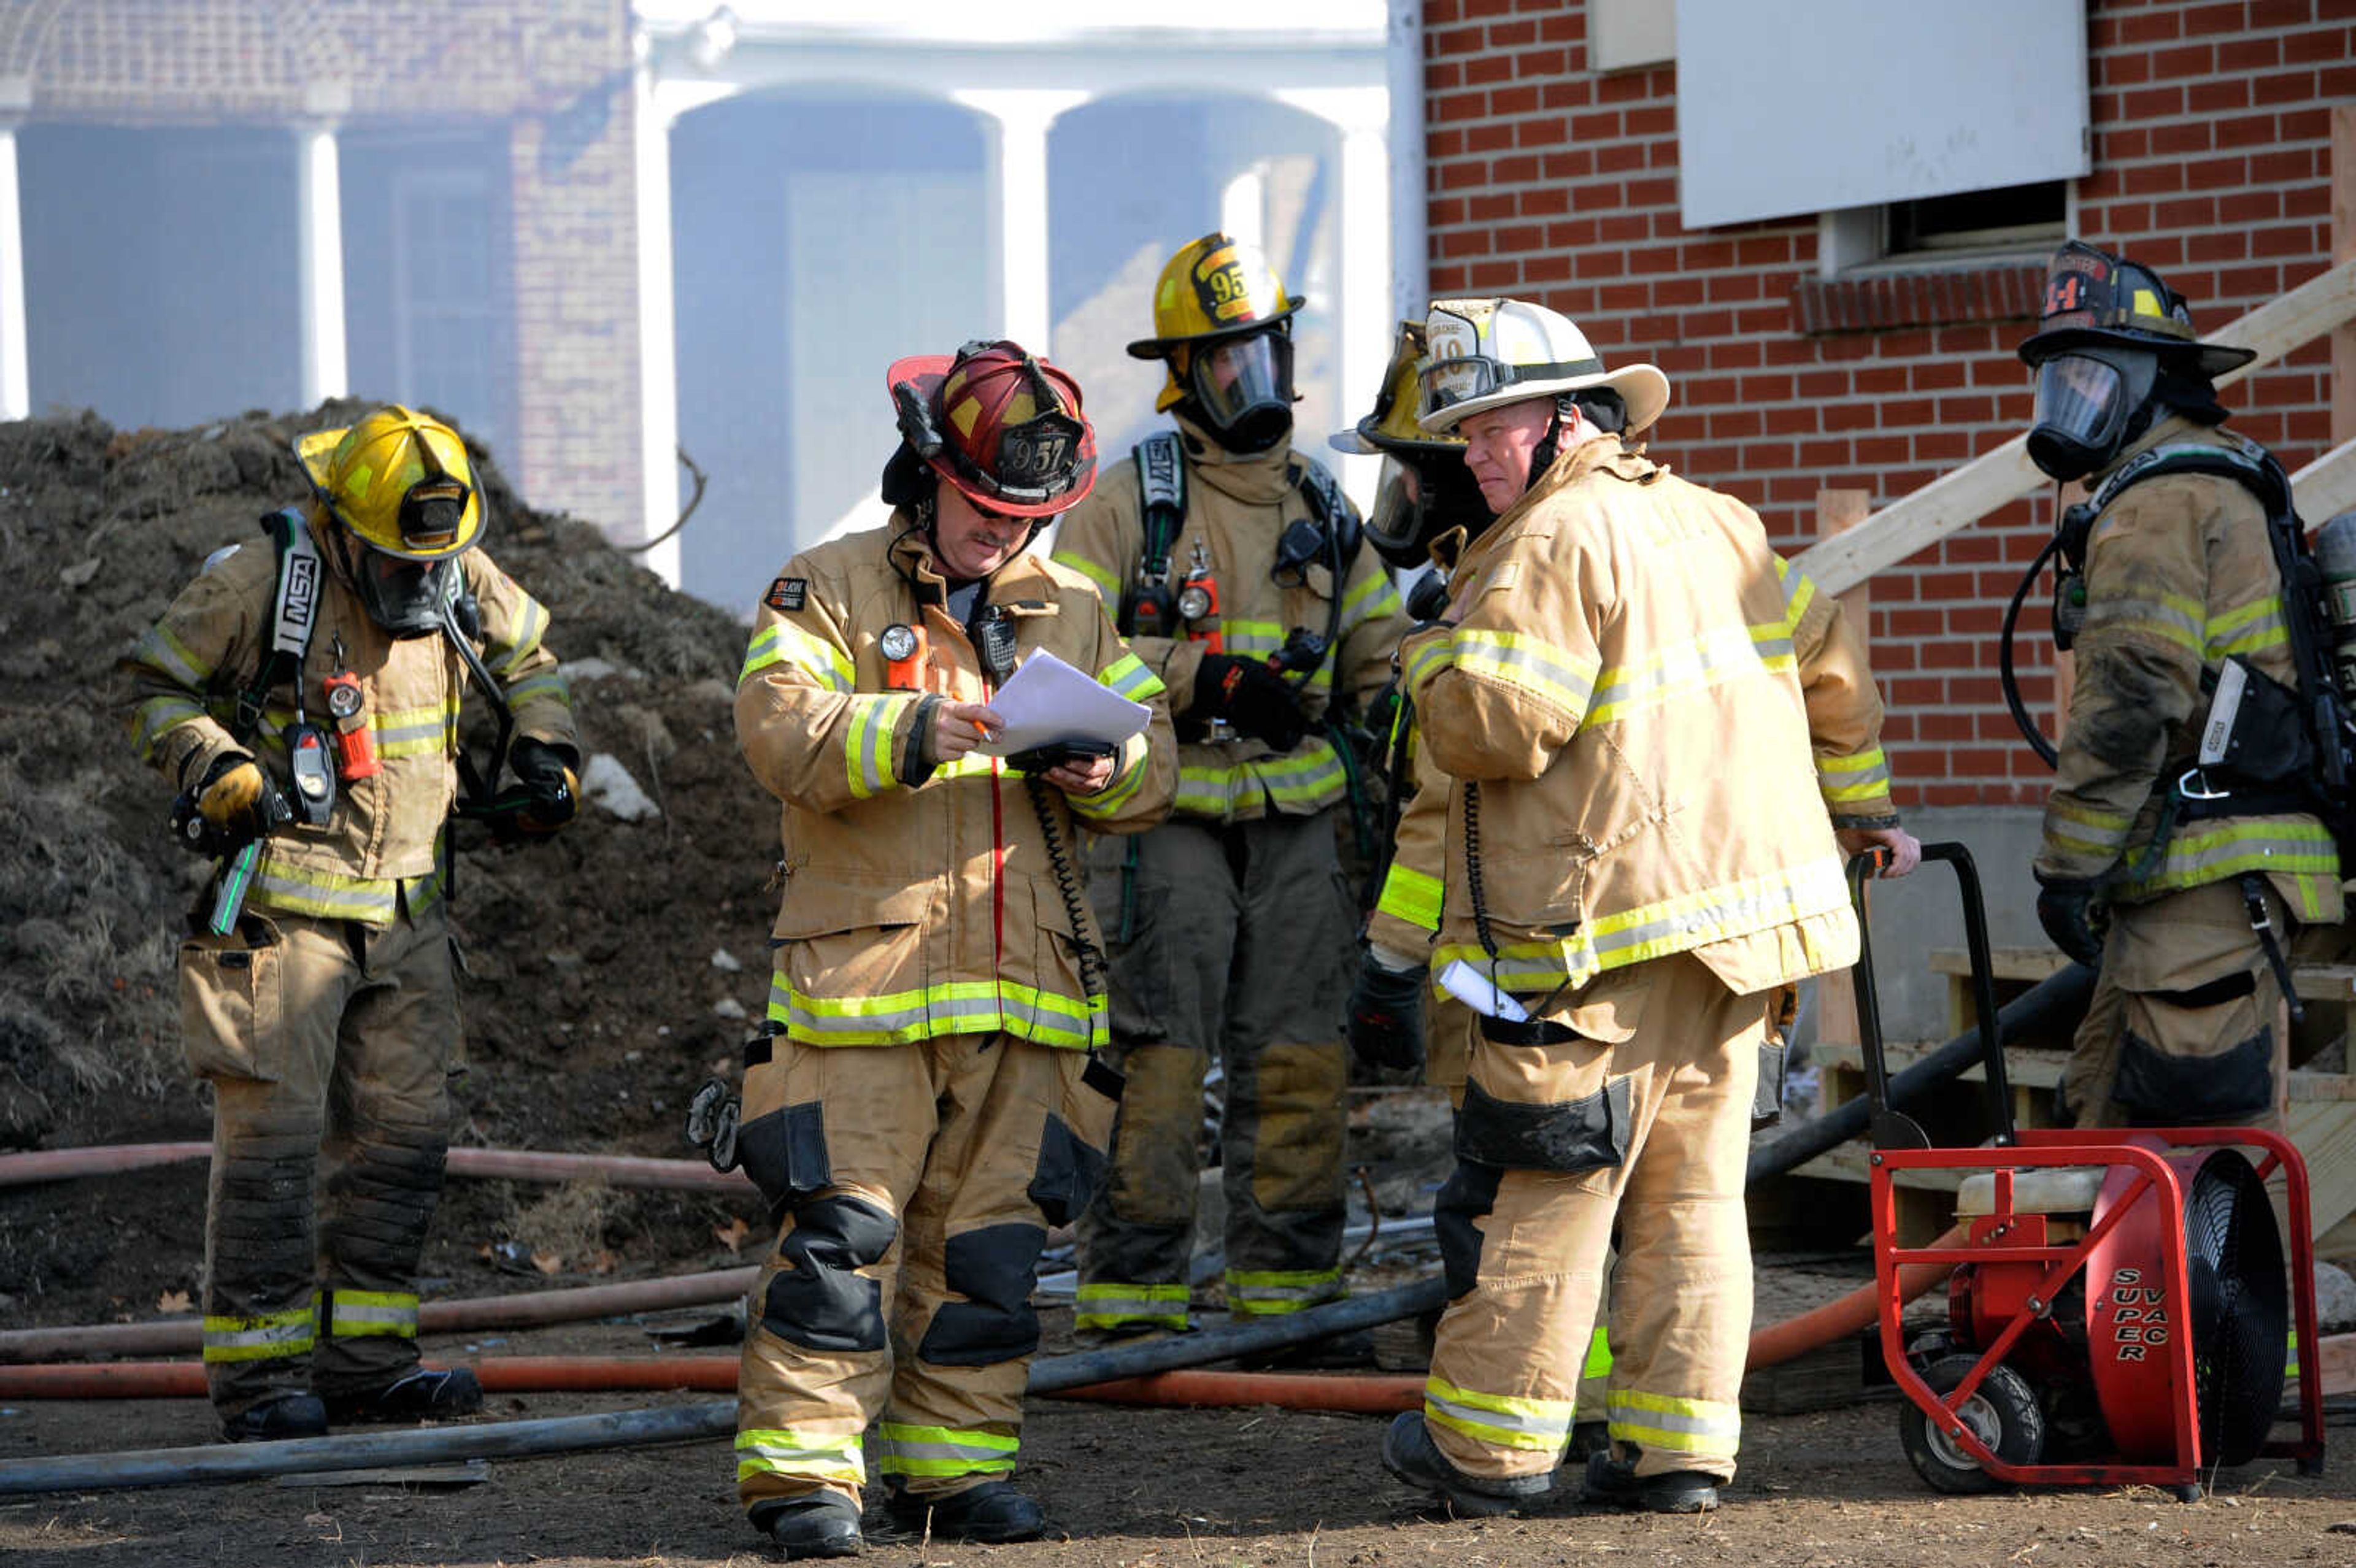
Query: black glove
[2066, 908]
[234, 804]
[1247, 694]
[546, 774]
[1387, 1015]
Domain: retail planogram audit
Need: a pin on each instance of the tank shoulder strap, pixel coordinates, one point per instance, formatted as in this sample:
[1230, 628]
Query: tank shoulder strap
[1161, 486]
[2244, 462]
[294, 610]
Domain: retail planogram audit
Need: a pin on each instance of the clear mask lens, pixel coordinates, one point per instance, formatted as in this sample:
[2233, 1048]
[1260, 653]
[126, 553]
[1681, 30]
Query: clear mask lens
[404, 597]
[1247, 378]
[2080, 399]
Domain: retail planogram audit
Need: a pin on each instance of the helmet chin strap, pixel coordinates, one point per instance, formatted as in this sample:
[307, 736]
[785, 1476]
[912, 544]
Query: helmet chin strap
[1543, 454]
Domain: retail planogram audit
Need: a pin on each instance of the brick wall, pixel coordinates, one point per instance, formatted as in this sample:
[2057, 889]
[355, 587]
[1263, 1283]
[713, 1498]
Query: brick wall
[556, 71]
[1549, 181]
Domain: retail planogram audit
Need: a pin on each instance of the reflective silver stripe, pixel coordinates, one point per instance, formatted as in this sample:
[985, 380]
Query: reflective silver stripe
[330, 897]
[159, 715]
[162, 651]
[353, 1318]
[1549, 1425]
[531, 625]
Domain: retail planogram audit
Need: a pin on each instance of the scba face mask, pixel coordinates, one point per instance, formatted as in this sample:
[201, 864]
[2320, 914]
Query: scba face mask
[407, 598]
[2091, 403]
[1243, 386]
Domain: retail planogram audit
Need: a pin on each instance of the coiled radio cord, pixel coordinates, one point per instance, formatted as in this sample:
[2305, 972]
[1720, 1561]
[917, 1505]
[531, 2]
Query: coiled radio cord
[1067, 882]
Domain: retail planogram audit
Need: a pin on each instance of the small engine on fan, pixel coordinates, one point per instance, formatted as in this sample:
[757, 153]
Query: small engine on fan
[2089, 1380]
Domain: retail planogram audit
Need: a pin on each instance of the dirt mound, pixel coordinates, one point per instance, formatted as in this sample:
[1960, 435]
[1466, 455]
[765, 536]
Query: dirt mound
[590, 992]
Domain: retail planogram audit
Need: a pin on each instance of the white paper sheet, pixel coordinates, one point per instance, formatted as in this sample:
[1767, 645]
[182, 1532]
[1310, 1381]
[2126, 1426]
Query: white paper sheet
[1047, 701]
[1472, 987]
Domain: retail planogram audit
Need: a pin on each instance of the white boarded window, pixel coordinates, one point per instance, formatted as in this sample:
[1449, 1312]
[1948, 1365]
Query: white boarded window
[1823, 105]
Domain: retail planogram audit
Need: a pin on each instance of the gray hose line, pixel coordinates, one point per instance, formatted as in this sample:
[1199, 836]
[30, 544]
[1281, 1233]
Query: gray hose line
[2056, 998]
[676, 1424]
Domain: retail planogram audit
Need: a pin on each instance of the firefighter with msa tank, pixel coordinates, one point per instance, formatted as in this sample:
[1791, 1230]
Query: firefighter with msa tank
[925, 1098]
[2187, 881]
[1659, 741]
[305, 700]
[1427, 510]
[1236, 568]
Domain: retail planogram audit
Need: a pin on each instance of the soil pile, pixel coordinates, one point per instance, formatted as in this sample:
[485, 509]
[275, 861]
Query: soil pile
[592, 999]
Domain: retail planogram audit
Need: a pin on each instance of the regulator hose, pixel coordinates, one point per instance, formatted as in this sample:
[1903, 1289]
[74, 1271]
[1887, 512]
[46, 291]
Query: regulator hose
[2038, 743]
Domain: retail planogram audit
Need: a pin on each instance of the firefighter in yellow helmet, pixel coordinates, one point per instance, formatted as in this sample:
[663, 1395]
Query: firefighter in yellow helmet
[305, 700]
[925, 1099]
[1659, 741]
[1235, 565]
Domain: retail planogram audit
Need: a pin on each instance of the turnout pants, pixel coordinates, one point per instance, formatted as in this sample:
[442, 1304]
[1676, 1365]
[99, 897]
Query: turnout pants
[1238, 940]
[2187, 1023]
[914, 1185]
[327, 1044]
[1643, 1119]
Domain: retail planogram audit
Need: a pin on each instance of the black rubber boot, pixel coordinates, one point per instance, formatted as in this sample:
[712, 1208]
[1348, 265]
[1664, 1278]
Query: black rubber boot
[822, 1524]
[1410, 1453]
[1587, 1438]
[275, 1419]
[989, 1514]
[424, 1394]
[1615, 1481]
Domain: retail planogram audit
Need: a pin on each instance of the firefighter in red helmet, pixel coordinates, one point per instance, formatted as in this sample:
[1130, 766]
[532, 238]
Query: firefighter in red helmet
[925, 1098]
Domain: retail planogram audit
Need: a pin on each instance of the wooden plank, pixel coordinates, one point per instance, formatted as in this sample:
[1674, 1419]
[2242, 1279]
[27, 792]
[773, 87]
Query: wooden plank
[2327, 487]
[2343, 249]
[2325, 1132]
[1838, 511]
[1962, 496]
[2314, 982]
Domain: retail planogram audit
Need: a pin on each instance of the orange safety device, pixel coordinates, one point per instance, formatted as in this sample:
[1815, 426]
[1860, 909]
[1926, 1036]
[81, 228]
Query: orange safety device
[355, 742]
[1198, 603]
[903, 648]
[1000, 424]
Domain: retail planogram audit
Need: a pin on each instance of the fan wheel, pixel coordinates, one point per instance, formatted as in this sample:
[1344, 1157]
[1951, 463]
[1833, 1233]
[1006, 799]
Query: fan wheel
[2002, 1412]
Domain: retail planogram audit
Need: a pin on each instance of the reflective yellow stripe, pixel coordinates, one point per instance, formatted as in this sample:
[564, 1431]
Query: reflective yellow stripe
[1306, 779]
[942, 1451]
[416, 731]
[782, 1451]
[1682, 669]
[867, 747]
[2246, 630]
[1678, 1425]
[549, 688]
[260, 1337]
[1108, 585]
[956, 1006]
[2170, 618]
[1858, 776]
[326, 895]
[359, 1314]
[1113, 1304]
[1799, 592]
[1424, 659]
[159, 717]
[2278, 845]
[1656, 929]
[530, 626]
[1370, 600]
[162, 651]
[1561, 677]
[1412, 896]
[1266, 1292]
[1128, 677]
[1123, 789]
[1543, 1425]
[1255, 639]
[1599, 1356]
[782, 642]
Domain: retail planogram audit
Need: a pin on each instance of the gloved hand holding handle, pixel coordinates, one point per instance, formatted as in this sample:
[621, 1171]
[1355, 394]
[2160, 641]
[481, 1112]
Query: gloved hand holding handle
[1249, 695]
[546, 774]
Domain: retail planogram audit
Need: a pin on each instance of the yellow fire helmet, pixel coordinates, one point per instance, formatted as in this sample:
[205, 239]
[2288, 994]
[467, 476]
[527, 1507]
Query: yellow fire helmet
[1392, 428]
[400, 481]
[1215, 287]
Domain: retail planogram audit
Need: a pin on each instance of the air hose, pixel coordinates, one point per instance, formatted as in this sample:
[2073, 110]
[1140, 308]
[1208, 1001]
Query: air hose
[2020, 716]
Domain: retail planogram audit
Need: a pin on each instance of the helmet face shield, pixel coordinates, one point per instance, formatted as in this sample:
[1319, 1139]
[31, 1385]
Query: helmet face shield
[1243, 386]
[1421, 498]
[1448, 382]
[2086, 401]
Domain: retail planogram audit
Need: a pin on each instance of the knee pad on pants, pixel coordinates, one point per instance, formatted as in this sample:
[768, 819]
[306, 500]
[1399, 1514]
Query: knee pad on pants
[820, 1301]
[995, 1266]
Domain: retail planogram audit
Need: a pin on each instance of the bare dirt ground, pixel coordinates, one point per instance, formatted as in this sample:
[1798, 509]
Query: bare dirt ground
[593, 1007]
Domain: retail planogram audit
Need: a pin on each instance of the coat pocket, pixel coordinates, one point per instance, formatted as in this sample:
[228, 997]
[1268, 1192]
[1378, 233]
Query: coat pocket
[851, 961]
[232, 990]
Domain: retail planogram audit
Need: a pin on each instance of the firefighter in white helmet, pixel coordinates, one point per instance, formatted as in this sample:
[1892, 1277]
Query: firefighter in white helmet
[1236, 568]
[1660, 741]
[927, 1099]
[306, 701]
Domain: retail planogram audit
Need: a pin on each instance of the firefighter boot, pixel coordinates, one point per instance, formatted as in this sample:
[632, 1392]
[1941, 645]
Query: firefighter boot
[989, 1514]
[422, 1395]
[818, 1524]
[274, 1419]
[1615, 1481]
[1408, 1454]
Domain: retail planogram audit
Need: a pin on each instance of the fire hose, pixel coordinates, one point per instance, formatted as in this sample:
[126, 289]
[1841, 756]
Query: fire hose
[515, 1164]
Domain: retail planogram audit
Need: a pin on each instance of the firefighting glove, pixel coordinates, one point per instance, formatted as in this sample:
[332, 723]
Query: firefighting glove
[237, 803]
[2068, 910]
[1247, 694]
[546, 774]
[1385, 1026]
